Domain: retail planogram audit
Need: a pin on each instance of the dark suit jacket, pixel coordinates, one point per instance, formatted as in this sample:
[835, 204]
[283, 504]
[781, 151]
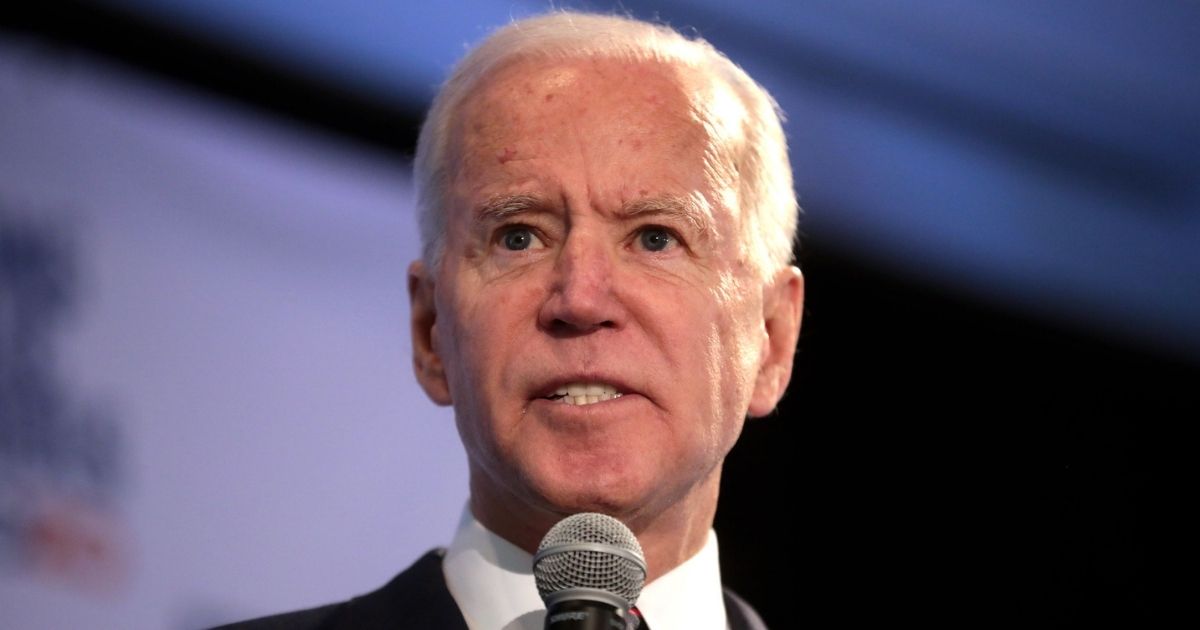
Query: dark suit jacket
[418, 598]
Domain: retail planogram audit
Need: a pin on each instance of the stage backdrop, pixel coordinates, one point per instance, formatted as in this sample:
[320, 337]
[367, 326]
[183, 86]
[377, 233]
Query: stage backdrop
[207, 408]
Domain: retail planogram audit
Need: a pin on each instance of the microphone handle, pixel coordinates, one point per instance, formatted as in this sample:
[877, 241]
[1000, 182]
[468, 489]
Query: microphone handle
[582, 614]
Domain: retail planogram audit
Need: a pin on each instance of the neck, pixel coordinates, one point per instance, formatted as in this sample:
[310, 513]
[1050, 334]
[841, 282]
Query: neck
[668, 536]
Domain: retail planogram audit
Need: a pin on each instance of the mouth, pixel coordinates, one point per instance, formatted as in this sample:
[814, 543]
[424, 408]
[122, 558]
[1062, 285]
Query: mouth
[583, 393]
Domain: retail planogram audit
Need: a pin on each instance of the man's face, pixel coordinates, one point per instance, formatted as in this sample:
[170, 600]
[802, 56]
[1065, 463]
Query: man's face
[595, 320]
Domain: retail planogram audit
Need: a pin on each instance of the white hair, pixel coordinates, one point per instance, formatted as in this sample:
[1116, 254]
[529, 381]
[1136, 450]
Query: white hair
[765, 192]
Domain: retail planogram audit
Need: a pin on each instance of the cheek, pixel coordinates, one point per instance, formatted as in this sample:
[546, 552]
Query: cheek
[461, 336]
[737, 345]
[489, 330]
[710, 340]
[453, 330]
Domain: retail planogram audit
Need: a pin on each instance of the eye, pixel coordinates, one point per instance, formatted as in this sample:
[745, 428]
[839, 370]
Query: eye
[656, 239]
[518, 238]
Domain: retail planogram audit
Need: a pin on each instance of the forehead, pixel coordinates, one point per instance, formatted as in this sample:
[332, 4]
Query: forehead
[547, 87]
[530, 112]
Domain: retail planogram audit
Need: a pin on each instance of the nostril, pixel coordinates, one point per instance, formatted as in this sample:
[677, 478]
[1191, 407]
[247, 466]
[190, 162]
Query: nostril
[565, 327]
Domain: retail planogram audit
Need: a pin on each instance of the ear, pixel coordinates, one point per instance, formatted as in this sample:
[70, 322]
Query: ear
[427, 361]
[783, 308]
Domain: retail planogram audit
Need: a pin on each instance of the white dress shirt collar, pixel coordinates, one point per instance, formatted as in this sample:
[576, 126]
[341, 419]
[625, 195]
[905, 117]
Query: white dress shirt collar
[492, 582]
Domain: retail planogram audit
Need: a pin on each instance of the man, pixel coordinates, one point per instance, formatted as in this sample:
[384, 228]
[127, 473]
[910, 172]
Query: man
[605, 294]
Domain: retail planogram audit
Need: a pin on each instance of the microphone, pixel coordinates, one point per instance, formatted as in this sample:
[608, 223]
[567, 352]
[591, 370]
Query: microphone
[589, 570]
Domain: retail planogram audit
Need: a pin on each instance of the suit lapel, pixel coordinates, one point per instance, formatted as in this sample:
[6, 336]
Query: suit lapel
[417, 598]
[740, 615]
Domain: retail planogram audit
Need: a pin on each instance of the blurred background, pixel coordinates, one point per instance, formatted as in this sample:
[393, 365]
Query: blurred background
[206, 406]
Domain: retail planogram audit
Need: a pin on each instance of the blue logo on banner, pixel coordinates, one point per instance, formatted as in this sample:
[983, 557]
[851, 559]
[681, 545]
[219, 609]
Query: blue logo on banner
[60, 459]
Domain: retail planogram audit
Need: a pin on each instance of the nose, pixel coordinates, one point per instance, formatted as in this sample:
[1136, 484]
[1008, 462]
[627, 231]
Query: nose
[582, 297]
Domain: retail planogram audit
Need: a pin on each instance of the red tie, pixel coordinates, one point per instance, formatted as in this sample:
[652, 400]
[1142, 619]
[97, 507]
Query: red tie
[636, 620]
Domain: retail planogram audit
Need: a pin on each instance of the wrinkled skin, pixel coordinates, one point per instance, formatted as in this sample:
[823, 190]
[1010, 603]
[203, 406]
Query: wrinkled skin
[594, 235]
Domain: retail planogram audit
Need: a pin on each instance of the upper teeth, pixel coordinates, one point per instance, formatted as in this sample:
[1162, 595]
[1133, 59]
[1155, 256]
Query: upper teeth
[585, 393]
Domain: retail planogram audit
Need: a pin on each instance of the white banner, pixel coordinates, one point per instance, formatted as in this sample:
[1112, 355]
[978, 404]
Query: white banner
[207, 409]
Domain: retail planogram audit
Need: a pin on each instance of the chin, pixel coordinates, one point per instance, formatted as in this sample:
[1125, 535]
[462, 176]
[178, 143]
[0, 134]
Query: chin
[584, 485]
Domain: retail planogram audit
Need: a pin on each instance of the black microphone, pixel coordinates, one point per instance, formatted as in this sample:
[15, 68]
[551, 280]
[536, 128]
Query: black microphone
[589, 570]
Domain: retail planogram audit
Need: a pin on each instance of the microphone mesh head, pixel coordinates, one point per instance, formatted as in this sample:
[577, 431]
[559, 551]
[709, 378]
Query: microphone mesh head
[590, 551]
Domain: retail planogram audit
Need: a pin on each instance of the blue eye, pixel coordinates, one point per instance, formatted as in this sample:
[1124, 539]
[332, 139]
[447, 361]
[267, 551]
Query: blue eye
[518, 238]
[656, 239]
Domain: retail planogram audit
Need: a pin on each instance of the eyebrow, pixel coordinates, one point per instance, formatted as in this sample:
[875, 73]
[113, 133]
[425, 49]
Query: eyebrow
[674, 207]
[502, 207]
